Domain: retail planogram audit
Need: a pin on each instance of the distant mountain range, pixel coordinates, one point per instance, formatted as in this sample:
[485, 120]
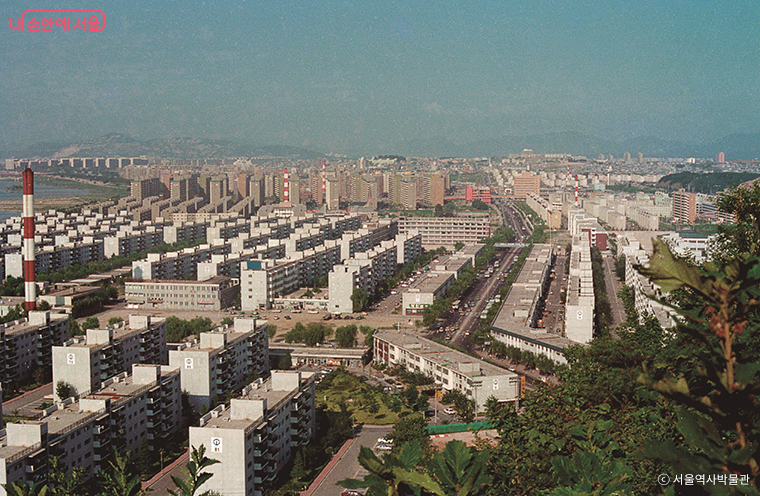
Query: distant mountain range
[744, 146]
[119, 145]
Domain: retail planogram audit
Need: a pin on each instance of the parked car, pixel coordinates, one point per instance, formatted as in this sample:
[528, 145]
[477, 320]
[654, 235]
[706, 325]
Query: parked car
[383, 440]
[383, 447]
[350, 492]
[449, 411]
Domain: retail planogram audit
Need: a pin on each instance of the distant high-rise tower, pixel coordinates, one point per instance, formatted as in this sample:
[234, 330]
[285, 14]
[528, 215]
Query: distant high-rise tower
[626, 157]
[721, 158]
[639, 158]
[684, 207]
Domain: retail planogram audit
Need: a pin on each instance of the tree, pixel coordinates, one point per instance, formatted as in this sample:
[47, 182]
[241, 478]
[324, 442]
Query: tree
[74, 327]
[410, 395]
[144, 459]
[64, 390]
[360, 299]
[438, 210]
[115, 320]
[121, 479]
[20, 488]
[479, 205]
[194, 474]
[460, 471]
[718, 388]
[285, 362]
[346, 336]
[458, 245]
[227, 321]
[65, 483]
[43, 306]
[464, 406]
[90, 323]
[742, 238]
[394, 474]
[411, 428]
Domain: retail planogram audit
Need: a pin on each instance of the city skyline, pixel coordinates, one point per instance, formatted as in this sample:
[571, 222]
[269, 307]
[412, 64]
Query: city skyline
[364, 79]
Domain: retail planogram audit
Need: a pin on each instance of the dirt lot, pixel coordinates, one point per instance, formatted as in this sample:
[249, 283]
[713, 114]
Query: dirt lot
[439, 441]
[374, 318]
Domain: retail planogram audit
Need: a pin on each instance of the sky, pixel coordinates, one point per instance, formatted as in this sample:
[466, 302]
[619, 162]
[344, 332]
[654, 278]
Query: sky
[370, 77]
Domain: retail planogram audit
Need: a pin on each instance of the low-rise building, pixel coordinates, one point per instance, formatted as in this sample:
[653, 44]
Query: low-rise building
[211, 294]
[258, 434]
[450, 369]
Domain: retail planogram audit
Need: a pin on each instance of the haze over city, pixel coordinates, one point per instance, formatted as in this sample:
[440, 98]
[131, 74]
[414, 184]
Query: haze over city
[364, 78]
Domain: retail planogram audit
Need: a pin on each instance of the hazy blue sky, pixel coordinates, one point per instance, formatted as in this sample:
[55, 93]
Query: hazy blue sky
[365, 76]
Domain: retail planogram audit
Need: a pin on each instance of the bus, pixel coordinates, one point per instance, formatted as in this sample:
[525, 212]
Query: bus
[455, 305]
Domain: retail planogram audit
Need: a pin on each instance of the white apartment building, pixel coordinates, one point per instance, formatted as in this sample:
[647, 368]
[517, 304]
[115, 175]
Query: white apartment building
[258, 434]
[449, 369]
[214, 294]
[579, 305]
[222, 360]
[447, 231]
[85, 362]
[690, 244]
[516, 324]
[84, 432]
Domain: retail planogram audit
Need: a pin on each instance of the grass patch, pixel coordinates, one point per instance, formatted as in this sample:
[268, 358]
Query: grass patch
[367, 404]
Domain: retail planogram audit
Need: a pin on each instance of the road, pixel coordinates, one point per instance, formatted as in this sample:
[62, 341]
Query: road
[613, 287]
[348, 466]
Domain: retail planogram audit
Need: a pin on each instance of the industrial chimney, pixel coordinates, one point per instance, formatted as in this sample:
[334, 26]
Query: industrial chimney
[30, 285]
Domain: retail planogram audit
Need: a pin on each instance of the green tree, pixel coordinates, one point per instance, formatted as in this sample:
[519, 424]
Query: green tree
[20, 488]
[144, 459]
[121, 479]
[460, 471]
[285, 362]
[464, 406]
[65, 483]
[345, 336]
[227, 321]
[115, 320]
[458, 245]
[717, 389]
[74, 328]
[194, 474]
[90, 323]
[360, 299]
[64, 390]
[742, 238]
[411, 428]
[394, 474]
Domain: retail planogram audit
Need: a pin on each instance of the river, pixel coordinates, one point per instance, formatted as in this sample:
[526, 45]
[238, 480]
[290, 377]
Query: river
[11, 190]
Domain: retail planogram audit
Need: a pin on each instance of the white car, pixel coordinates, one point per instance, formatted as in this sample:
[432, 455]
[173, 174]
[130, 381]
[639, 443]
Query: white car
[383, 440]
[449, 411]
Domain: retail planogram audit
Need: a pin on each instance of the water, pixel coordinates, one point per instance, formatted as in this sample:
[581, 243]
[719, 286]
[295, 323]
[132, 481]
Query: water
[40, 191]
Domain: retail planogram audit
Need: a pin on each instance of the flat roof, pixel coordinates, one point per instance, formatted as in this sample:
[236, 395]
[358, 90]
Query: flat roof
[440, 354]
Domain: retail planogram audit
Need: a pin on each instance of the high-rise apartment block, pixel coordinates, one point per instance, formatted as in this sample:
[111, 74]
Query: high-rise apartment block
[222, 360]
[258, 434]
[684, 207]
[526, 183]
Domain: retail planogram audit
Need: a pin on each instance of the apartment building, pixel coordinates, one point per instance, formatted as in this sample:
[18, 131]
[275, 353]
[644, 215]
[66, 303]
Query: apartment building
[450, 369]
[84, 432]
[516, 324]
[526, 183]
[214, 294]
[258, 434]
[550, 213]
[579, 305]
[690, 244]
[222, 360]
[27, 345]
[684, 207]
[85, 362]
[466, 228]
[365, 271]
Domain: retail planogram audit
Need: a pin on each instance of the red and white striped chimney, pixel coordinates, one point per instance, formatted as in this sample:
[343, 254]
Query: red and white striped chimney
[285, 186]
[324, 183]
[30, 285]
[576, 191]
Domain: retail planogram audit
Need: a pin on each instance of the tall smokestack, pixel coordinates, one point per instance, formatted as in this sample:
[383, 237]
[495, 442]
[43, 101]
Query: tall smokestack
[285, 186]
[30, 286]
[324, 183]
[576, 191]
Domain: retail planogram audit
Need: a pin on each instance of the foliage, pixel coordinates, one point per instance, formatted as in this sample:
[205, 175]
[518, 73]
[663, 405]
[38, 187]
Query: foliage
[115, 320]
[411, 428]
[369, 335]
[14, 313]
[620, 267]
[121, 480]
[95, 302]
[360, 300]
[90, 323]
[74, 328]
[178, 329]
[602, 308]
[310, 335]
[227, 321]
[742, 238]
[64, 390]
[460, 471]
[705, 183]
[345, 336]
[144, 459]
[393, 475]
[716, 392]
[19, 488]
[285, 362]
[479, 205]
[194, 474]
[65, 483]
[12, 286]
[464, 406]
[342, 389]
